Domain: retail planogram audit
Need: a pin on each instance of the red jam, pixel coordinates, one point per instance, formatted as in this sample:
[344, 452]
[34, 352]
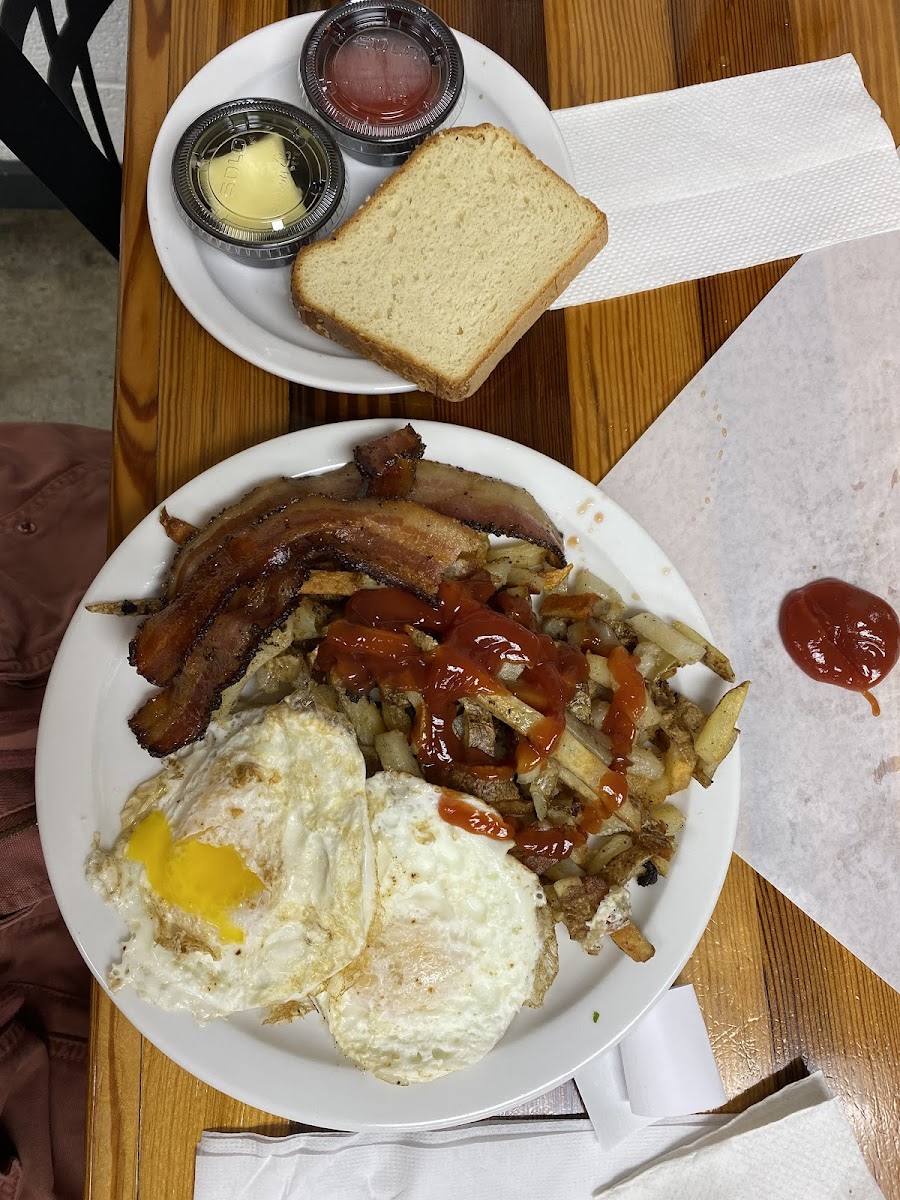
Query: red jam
[381, 76]
[840, 634]
[369, 647]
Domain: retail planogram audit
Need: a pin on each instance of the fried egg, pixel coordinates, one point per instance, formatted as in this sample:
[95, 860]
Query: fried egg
[244, 869]
[453, 946]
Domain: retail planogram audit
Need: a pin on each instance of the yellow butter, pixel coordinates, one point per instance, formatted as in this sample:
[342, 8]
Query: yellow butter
[253, 183]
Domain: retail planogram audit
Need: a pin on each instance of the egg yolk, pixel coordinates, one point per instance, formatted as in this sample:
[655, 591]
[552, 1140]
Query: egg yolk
[206, 881]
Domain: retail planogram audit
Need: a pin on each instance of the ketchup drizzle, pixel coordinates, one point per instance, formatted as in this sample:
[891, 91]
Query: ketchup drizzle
[458, 810]
[620, 726]
[369, 646]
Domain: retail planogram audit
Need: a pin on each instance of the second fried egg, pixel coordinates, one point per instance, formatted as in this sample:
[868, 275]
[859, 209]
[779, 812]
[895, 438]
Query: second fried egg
[453, 946]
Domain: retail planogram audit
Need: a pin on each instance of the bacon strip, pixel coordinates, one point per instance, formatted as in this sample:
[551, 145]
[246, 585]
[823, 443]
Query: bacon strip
[477, 500]
[344, 483]
[491, 505]
[180, 713]
[391, 540]
[388, 464]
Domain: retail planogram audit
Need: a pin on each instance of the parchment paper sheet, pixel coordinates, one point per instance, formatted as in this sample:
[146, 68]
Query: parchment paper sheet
[780, 463]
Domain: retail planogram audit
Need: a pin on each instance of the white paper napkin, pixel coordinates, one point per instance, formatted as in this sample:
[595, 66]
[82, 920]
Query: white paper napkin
[604, 1093]
[517, 1160]
[664, 1068]
[668, 1062]
[724, 175]
[780, 463]
[798, 1144]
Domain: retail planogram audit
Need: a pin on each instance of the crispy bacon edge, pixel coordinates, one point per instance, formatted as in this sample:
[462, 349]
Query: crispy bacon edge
[491, 505]
[265, 498]
[388, 464]
[177, 530]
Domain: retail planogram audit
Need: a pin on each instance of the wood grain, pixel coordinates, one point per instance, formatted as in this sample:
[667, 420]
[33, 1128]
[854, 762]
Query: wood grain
[629, 357]
[113, 1133]
[141, 281]
[166, 1166]
[780, 996]
[608, 49]
[867, 29]
[717, 42]
[732, 948]
[212, 403]
[829, 1012]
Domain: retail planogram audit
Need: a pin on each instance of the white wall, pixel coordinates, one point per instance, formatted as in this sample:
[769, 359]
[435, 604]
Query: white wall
[108, 49]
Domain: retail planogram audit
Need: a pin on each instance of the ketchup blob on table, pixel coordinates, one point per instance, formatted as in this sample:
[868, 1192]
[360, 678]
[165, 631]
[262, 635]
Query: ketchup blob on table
[840, 634]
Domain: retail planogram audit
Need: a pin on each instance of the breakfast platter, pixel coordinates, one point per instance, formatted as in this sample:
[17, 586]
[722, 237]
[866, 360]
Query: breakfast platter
[249, 310]
[89, 762]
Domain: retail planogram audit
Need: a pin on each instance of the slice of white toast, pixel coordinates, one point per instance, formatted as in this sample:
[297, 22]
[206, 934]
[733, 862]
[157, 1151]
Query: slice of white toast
[445, 267]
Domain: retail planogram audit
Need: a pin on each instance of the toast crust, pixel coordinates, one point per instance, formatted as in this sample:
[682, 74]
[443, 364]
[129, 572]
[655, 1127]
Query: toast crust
[423, 375]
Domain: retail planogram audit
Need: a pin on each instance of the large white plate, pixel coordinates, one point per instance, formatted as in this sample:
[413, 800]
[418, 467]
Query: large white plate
[88, 762]
[249, 309]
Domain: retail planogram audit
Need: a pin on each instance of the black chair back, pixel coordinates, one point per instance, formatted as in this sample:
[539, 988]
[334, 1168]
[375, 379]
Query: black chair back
[41, 122]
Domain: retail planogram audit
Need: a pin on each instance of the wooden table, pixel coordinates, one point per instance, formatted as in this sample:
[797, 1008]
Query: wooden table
[780, 996]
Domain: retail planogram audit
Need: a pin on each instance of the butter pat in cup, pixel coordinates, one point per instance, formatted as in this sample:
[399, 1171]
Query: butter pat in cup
[258, 179]
[382, 75]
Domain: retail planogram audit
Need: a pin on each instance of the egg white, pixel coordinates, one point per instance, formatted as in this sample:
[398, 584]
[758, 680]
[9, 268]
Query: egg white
[285, 786]
[452, 948]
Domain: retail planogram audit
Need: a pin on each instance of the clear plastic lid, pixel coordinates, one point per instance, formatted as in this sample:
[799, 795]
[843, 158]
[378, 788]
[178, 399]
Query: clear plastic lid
[383, 75]
[258, 179]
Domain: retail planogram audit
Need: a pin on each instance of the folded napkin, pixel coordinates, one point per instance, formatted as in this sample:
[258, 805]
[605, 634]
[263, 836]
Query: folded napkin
[795, 1144]
[798, 1143]
[508, 1160]
[724, 175]
[663, 1068]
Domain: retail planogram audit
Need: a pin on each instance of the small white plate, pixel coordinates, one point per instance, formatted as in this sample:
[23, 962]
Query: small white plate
[249, 309]
[88, 762]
